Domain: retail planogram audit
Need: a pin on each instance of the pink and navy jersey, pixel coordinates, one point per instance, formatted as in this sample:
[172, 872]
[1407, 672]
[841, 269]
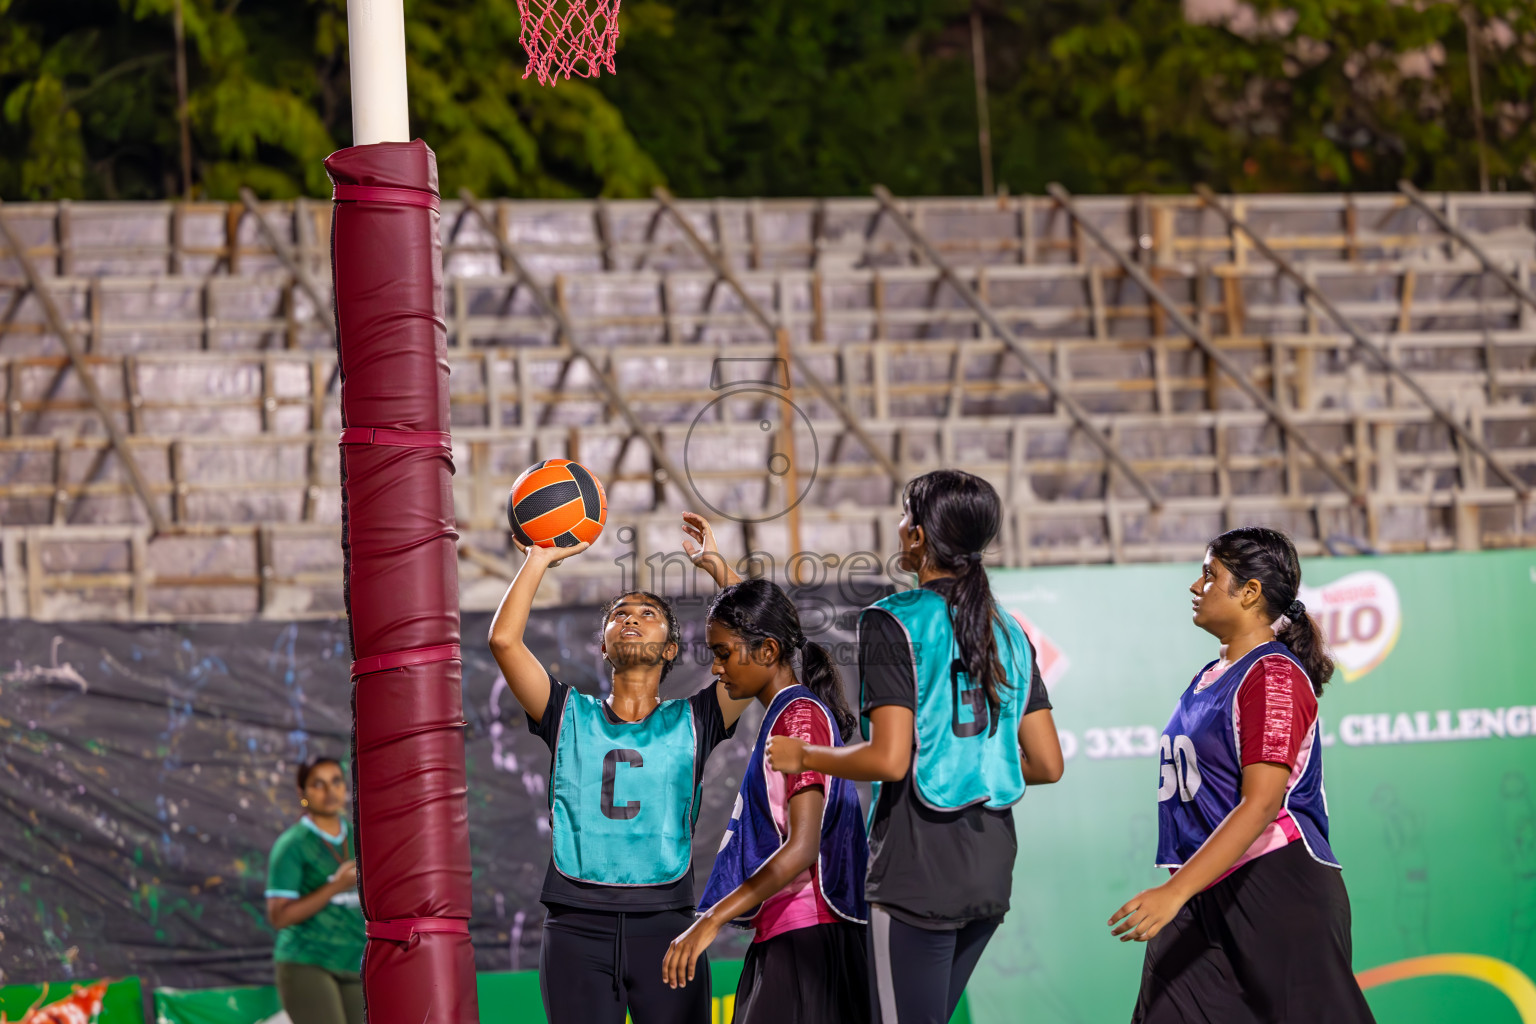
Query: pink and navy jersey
[753, 835]
[1203, 755]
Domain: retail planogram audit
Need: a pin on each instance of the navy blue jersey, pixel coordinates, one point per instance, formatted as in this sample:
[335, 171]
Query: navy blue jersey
[1201, 768]
[752, 838]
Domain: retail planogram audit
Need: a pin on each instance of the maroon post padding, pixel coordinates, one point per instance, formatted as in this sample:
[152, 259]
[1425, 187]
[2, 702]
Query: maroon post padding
[398, 538]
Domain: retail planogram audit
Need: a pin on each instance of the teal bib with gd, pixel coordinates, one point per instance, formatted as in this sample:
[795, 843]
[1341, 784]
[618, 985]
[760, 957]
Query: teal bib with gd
[964, 754]
[622, 800]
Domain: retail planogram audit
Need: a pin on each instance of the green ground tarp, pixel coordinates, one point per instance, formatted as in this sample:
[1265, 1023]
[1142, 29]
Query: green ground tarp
[504, 996]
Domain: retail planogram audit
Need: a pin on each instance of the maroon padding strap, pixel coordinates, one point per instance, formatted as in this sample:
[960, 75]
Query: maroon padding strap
[379, 194]
[404, 929]
[397, 438]
[400, 659]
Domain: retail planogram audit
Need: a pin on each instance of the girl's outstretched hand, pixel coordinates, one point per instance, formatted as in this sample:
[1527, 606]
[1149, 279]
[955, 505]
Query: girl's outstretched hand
[786, 754]
[1146, 913]
[551, 557]
[700, 546]
[684, 952]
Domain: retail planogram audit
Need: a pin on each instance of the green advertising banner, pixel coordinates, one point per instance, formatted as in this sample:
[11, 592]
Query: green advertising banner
[107, 1001]
[1430, 769]
[243, 1004]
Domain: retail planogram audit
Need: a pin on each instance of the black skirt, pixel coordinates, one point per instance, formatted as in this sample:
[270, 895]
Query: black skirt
[815, 975]
[1268, 944]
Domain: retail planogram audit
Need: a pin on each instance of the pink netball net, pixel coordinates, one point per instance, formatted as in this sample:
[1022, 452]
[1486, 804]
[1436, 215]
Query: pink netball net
[569, 37]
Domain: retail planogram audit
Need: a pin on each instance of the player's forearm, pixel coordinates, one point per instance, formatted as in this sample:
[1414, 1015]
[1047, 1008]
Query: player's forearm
[861, 762]
[520, 667]
[1038, 774]
[777, 872]
[511, 617]
[1237, 832]
[719, 570]
[297, 911]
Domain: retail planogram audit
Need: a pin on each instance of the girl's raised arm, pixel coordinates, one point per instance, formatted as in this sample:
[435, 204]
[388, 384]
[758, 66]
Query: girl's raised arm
[522, 670]
[700, 546]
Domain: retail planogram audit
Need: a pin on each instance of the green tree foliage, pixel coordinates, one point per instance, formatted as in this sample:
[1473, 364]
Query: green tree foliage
[805, 97]
[1309, 94]
[785, 97]
[88, 101]
[90, 98]
[828, 96]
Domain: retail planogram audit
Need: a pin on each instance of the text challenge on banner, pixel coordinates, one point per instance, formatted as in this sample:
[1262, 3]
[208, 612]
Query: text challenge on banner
[1427, 729]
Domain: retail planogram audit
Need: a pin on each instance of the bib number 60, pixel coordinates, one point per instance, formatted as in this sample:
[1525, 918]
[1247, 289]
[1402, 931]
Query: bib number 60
[1178, 770]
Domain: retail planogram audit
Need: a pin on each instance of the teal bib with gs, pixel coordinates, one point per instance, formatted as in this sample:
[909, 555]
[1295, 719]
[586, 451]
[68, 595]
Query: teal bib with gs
[622, 799]
[964, 754]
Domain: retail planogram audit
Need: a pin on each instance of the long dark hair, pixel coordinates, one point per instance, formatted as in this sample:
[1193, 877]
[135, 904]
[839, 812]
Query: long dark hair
[308, 767]
[960, 515]
[1259, 553]
[757, 610]
[674, 630]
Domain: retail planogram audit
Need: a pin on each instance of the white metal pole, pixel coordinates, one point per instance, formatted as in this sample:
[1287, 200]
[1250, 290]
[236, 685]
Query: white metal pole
[376, 34]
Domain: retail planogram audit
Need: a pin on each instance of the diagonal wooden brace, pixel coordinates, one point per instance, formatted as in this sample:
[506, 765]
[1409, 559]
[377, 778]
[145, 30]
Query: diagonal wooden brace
[1078, 414]
[674, 476]
[1362, 340]
[76, 354]
[1200, 338]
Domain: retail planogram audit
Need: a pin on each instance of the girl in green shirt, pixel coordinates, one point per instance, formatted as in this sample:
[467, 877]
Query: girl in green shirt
[312, 902]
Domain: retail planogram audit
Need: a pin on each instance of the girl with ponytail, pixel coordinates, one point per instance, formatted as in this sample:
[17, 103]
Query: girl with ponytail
[956, 722]
[793, 860]
[1253, 925]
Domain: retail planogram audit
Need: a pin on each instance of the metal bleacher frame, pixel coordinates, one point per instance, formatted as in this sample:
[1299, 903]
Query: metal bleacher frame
[205, 329]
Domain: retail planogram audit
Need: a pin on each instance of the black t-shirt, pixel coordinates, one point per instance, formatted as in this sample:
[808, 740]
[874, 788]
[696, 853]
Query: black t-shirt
[933, 869]
[559, 891]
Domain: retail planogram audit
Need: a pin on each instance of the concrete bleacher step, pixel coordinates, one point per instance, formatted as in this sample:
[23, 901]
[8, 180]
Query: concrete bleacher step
[218, 365]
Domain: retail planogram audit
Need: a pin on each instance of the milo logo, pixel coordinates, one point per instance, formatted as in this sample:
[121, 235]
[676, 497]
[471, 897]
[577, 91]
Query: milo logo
[1361, 618]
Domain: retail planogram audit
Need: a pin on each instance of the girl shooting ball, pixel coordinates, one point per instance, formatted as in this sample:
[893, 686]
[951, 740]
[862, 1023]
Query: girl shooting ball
[957, 721]
[623, 796]
[792, 864]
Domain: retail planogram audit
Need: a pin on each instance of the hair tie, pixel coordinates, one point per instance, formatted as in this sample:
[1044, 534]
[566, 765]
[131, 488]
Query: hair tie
[975, 556]
[1293, 613]
[797, 641]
